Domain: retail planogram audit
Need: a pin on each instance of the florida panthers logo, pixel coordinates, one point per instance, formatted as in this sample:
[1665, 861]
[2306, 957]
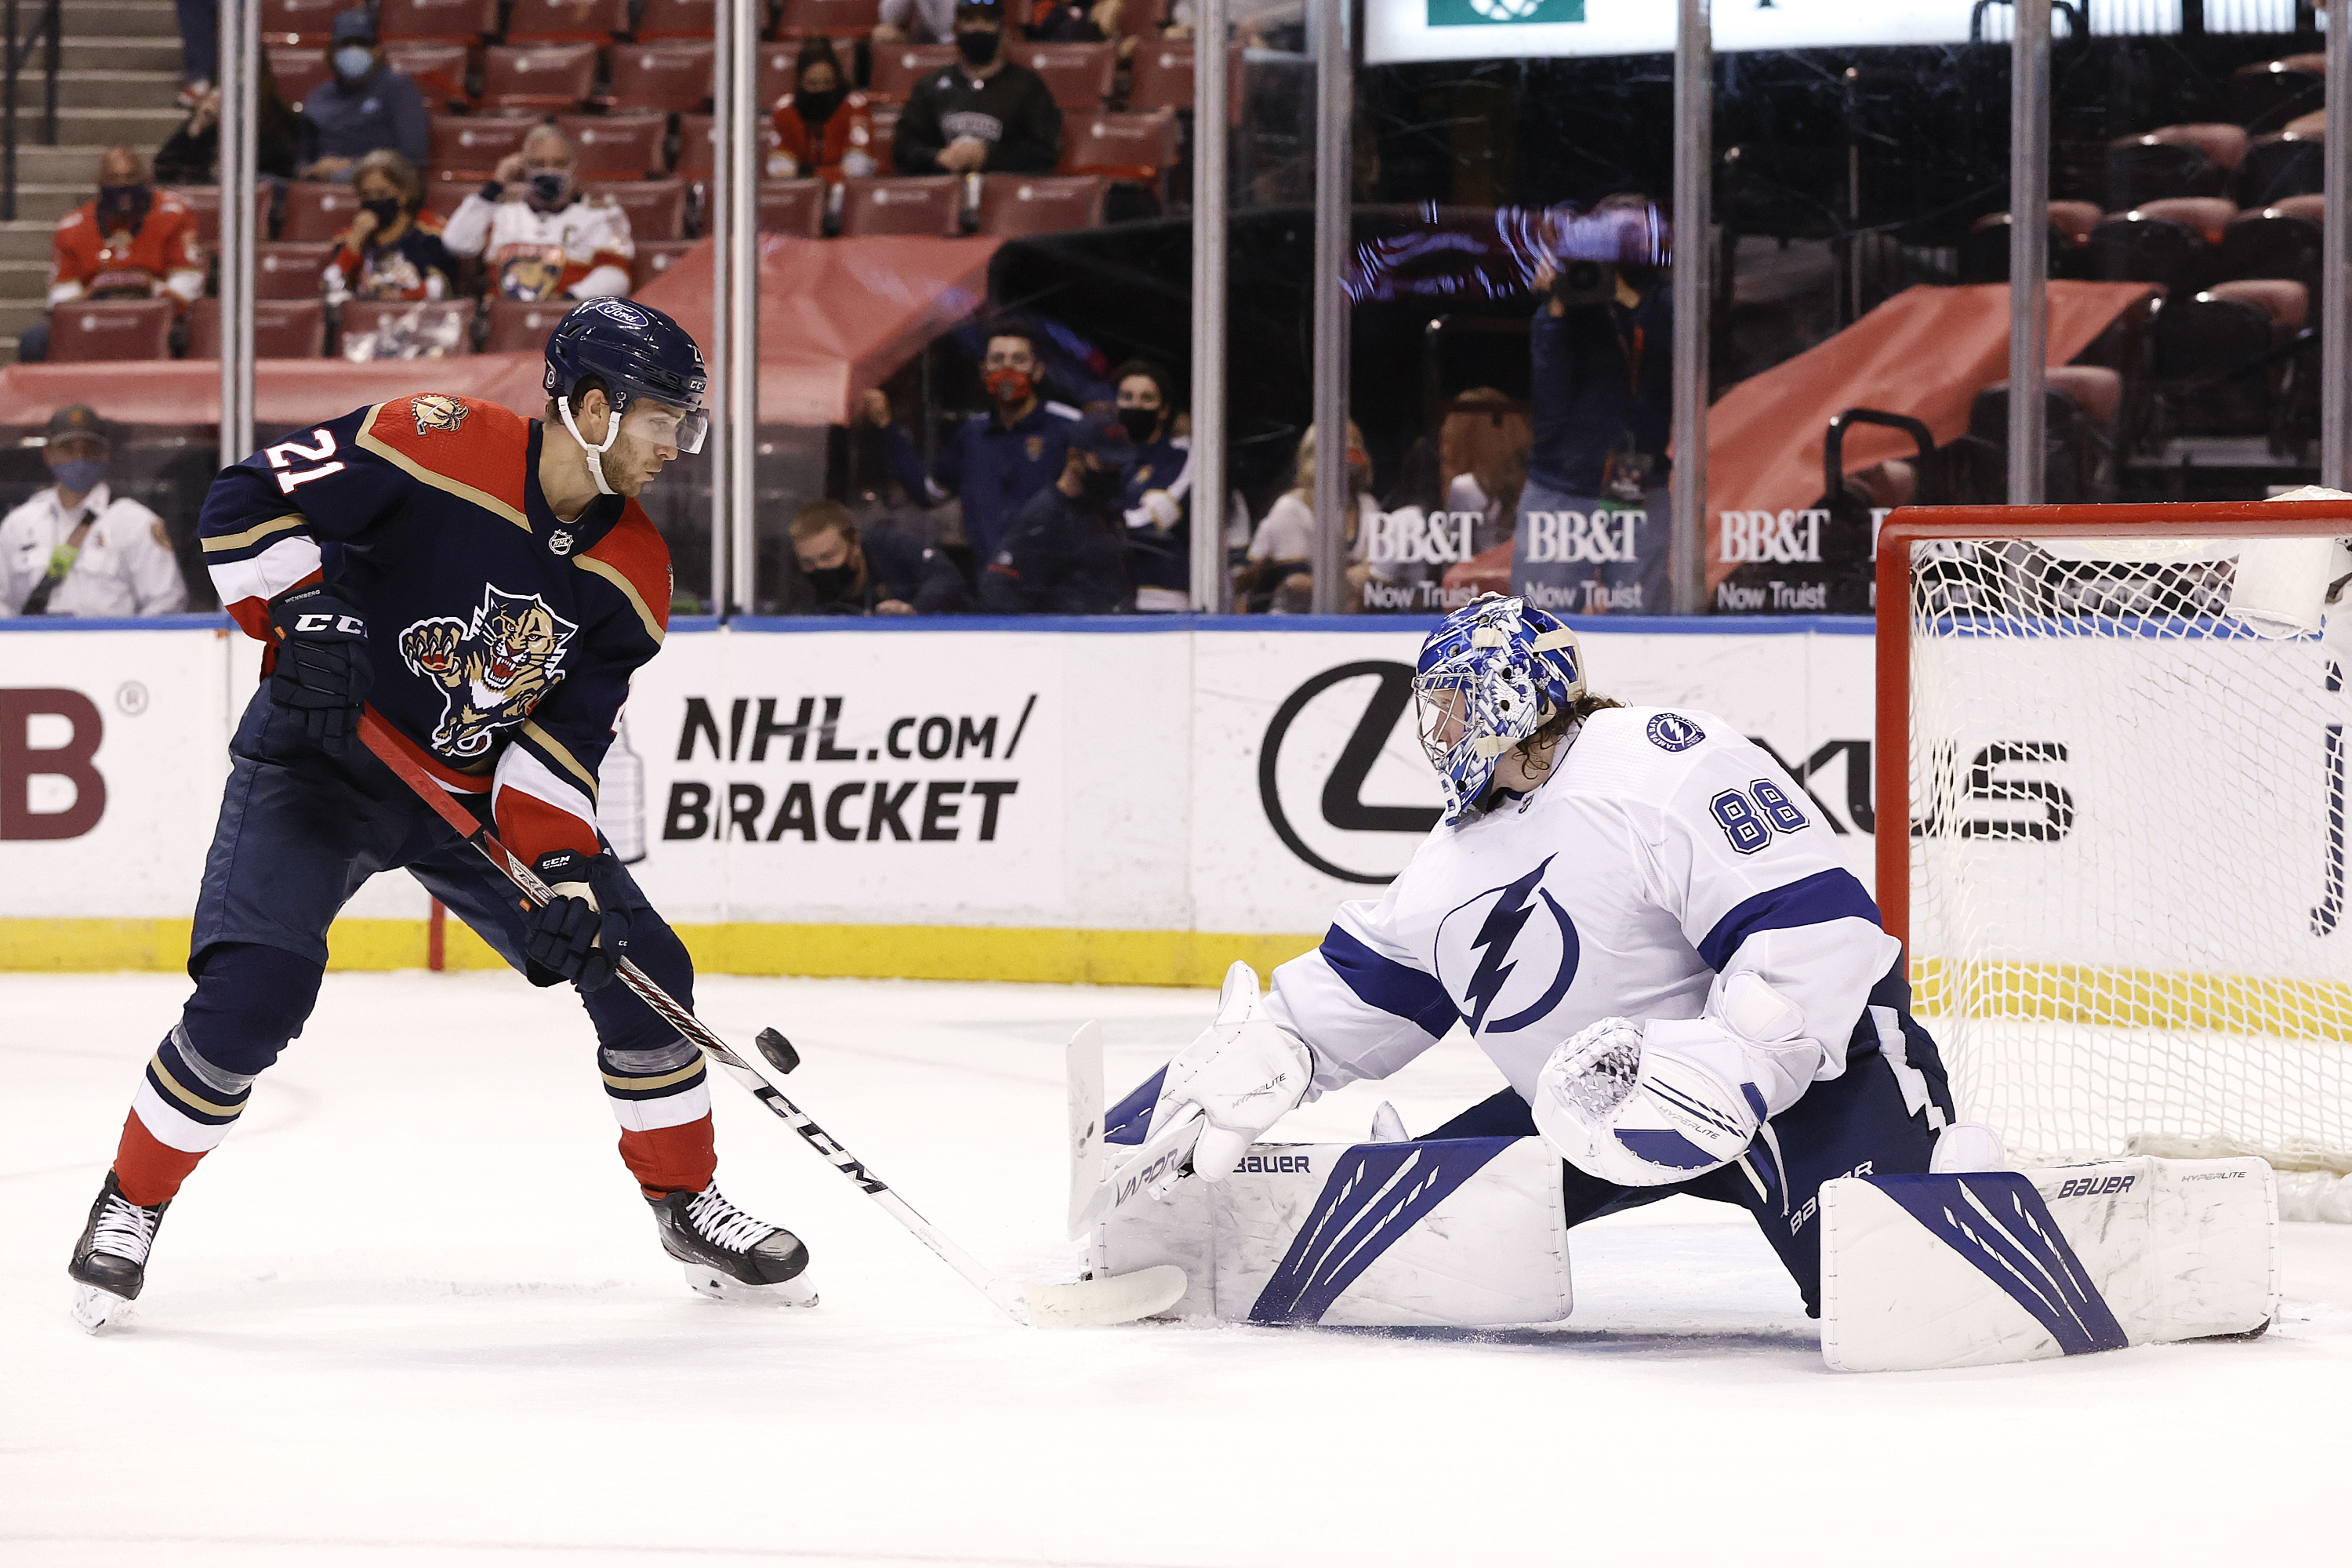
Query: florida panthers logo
[494, 670]
[434, 411]
[1507, 956]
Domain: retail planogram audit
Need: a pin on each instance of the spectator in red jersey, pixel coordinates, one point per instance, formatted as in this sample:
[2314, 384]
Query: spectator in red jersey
[392, 249]
[822, 130]
[133, 242]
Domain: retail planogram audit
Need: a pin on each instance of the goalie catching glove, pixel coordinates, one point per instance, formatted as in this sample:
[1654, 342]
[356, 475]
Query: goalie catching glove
[1645, 1104]
[1243, 1075]
[583, 932]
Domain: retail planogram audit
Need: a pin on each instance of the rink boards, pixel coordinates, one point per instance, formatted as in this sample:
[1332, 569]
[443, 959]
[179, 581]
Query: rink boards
[1132, 800]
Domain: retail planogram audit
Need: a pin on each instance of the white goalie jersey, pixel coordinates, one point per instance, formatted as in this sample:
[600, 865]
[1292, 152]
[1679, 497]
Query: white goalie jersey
[580, 252]
[1666, 856]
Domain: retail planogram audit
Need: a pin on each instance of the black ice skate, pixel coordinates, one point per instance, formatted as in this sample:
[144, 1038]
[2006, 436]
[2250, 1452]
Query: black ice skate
[109, 1262]
[728, 1254]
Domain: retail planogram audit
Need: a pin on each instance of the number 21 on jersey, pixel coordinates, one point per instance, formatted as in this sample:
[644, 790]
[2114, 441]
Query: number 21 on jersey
[283, 456]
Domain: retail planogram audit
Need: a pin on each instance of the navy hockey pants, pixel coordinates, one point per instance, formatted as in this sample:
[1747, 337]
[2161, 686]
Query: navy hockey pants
[300, 832]
[1857, 1124]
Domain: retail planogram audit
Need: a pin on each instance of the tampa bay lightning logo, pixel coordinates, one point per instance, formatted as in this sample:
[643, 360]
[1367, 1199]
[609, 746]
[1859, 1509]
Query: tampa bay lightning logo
[1673, 733]
[1507, 956]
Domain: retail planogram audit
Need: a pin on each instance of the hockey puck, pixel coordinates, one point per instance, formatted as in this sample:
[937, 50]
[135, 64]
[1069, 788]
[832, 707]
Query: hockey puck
[778, 1050]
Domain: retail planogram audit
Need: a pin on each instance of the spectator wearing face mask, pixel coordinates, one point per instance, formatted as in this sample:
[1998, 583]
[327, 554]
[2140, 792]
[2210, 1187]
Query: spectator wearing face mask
[539, 238]
[822, 128]
[1155, 501]
[394, 248]
[995, 461]
[871, 571]
[367, 105]
[75, 547]
[1066, 554]
[132, 242]
[983, 114]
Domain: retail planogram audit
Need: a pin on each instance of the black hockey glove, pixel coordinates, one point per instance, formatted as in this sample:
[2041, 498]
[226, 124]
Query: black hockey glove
[322, 671]
[583, 933]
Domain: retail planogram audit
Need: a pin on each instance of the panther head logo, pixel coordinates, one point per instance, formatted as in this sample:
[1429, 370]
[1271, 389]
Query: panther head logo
[438, 411]
[492, 670]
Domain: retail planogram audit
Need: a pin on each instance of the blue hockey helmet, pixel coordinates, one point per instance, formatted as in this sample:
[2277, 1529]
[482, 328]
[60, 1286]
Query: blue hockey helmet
[636, 351]
[1495, 673]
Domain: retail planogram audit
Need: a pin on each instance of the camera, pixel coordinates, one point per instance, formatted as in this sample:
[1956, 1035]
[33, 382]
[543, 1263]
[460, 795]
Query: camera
[1584, 282]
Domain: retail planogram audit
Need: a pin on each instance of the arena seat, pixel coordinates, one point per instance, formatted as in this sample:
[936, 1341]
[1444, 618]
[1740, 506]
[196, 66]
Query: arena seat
[660, 20]
[438, 70]
[1984, 253]
[2284, 301]
[927, 203]
[885, 117]
[567, 21]
[828, 19]
[2276, 167]
[520, 326]
[1122, 146]
[445, 196]
[1079, 76]
[305, 22]
[316, 209]
[792, 206]
[2205, 345]
[775, 73]
[654, 257]
[373, 316]
[898, 67]
[615, 146]
[2280, 241]
[282, 328]
[661, 78]
[436, 21]
[468, 150]
[538, 78]
[299, 72]
[1012, 205]
[696, 153]
[204, 202]
[284, 269]
[2164, 242]
[2080, 441]
[111, 328]
[2267, 94]
[1162, 78]
[656, 208]
[2175, 161]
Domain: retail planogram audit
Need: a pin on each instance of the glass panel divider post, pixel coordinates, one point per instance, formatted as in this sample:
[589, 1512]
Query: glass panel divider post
[1212, 137]
[2028, 247]
[240, 71]
[1335, 103]
[2335, 309]
[1693, 253]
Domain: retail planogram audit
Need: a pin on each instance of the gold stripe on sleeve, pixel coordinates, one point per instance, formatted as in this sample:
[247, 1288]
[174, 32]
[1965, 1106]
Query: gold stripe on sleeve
[555, 748]
[257, 533]
[620, 579]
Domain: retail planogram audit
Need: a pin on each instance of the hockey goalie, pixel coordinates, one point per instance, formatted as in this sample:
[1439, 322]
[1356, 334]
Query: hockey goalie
[1646, 930]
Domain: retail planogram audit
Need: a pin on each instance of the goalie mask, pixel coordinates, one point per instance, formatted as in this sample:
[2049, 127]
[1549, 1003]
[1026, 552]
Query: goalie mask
[1493, 675]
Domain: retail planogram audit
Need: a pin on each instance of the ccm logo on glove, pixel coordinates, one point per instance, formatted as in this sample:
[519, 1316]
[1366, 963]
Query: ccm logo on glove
[319, 621]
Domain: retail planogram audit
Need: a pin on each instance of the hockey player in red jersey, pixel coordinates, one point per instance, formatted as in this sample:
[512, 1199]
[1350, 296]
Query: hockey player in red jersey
[483, 585]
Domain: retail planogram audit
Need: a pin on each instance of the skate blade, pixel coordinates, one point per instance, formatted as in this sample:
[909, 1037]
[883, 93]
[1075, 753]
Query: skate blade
[94, 1309]
[719, 1286]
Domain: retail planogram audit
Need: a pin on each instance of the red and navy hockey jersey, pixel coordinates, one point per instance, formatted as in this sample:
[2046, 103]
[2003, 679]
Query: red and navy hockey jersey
[502, 639]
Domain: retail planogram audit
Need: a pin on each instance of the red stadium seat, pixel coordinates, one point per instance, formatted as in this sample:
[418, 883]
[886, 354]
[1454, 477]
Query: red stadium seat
[1162, 78]
[436, 21]
[300, 72]
[885, 132]
[282, 328]
[696, 153]
[111, 328]
[374, 315]
[661, 19]
[1014, 204]
[656, 208]
[445, 196]
[468, 150]
[1141, 19]
[792, 206]
[775, 69]
[567, 21]
[929, 204]
[655, 257]
[661, 79]
[830, 18]
[310, 22]
[615, 146]
[1078, 75]
[290, 270]
[204, 202]
[520, 326]
[316, 210]
[538, 77]
[1124, 146]
[438, 70]
[898, 67]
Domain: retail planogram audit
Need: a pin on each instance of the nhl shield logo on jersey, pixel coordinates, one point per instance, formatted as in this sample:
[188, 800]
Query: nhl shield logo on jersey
[1507, 956]
[492, 670]
[437, 411]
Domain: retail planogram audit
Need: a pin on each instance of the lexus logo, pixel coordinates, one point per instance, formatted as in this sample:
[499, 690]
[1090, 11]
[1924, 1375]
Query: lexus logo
[1328, 741]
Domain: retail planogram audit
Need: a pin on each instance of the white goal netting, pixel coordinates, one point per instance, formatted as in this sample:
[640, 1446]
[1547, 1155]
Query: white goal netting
[2129, 925]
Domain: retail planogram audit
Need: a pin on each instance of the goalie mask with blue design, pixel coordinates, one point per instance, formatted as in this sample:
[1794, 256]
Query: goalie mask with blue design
[1493, 674]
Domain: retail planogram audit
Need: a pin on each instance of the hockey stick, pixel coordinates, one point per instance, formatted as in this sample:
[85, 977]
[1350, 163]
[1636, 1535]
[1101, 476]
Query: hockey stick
[1120, 1299]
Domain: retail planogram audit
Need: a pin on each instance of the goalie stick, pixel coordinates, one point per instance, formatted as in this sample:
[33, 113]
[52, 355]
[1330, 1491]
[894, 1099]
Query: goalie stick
[1120, 1299]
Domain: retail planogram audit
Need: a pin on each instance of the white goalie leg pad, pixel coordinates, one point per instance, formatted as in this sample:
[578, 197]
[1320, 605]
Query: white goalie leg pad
[1464, 1232]
[1974, 1268]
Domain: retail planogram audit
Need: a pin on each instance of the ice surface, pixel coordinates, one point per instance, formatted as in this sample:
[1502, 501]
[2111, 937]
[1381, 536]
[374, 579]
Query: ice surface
[414, 1311]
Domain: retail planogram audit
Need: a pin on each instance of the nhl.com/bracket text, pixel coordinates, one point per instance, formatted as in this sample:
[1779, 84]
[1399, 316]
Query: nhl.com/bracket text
[858, 788]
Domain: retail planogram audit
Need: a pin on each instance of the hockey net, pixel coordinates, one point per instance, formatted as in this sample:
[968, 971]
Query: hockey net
[2118, 734]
